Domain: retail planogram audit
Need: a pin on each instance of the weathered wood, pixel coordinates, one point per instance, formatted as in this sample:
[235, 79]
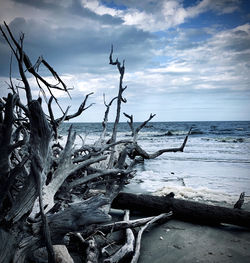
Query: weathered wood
[120, 99]
[131, 125]
[116, 226]
[139, 236]
[75, 218]
[108, 172]
[61, 255]
[182, 209]
[240, 202]
[6, 246]
[127, 249]
[138, 151]
[5, 143]
[35, 169]
[105, 120]
[40, 138]
[92, 252]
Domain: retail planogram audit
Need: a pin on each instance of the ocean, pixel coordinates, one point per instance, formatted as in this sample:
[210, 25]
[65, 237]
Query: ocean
[214, 165]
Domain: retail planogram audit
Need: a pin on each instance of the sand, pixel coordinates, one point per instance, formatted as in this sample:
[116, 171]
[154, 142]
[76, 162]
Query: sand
[177, 241]
[180, 242]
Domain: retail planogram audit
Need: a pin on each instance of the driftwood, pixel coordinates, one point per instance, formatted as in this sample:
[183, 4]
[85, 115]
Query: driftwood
[34, 167]
[92, 251]
[40, 179]
[116, 226]
[73, 219]
[182, 209]
[139, 236]
[240, 201]
[127, 249]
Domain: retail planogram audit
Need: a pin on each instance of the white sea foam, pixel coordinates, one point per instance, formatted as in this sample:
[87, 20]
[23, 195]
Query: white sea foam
[198, 194]
[218, 159]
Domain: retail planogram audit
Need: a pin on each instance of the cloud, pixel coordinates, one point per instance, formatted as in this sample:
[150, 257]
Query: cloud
[221, 60]
[79, 49]
[57, 14]
[170, 57]
[160, 15]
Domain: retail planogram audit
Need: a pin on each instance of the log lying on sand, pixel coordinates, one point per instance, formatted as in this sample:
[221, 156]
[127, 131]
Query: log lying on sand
[182, 209]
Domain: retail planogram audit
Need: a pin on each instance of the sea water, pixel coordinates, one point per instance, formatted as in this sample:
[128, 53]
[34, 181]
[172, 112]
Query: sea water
[215, 161]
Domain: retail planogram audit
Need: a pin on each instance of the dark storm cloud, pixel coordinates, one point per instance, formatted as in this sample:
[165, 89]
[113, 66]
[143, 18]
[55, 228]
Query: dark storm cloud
[73, 50]
[74, 7]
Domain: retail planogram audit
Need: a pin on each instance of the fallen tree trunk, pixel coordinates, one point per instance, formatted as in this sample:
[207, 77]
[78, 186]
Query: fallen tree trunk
[182, 209]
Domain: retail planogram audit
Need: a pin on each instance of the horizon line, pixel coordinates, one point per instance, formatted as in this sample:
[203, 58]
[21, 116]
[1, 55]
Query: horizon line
[157, 121]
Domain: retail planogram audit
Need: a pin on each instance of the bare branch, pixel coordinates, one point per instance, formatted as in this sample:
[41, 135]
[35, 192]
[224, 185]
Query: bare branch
[127, 248]
[131, 125]
[79, 111]
[91, 177]
[105, 119]
[120, 99]
[139, 236]
[20, 60]
[8, 41]
[116, 226]
[144, 123]
[10, 75]
[130, 122]
[138, 151]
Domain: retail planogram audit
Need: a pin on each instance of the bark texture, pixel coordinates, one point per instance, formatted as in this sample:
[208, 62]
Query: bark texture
[182, 209]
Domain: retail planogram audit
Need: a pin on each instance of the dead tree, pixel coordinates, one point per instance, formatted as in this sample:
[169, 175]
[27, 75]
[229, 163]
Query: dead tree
[39, 176]
[120, 99]
[34, 168]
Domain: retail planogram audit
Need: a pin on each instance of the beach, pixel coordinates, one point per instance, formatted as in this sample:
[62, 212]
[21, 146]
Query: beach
[216, 156]
[177, 241]
[180, 242]
[214, 169]
[185, 242]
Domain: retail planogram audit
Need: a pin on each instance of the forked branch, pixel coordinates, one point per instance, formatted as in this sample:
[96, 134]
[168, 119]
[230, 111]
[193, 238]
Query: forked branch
[81, 108]
[138, 151]
[137, 130]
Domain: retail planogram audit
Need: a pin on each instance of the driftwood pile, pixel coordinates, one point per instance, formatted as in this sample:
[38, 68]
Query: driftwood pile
[40, 178]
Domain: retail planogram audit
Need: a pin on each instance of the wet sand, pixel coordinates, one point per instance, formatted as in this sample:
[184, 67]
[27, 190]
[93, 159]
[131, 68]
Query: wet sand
[182, 242]
[177, 241]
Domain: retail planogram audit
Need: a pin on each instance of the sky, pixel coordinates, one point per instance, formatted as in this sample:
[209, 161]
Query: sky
[185, 60]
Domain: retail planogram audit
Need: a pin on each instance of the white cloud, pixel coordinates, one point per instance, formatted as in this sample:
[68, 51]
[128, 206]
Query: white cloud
[164, 15]
[173, 68]
[100, 9]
